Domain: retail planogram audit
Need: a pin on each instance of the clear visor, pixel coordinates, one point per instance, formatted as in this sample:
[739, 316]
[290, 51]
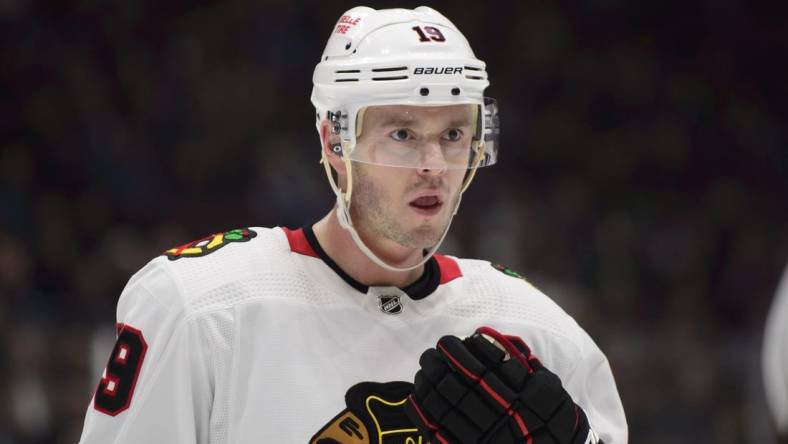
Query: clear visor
[427, 137]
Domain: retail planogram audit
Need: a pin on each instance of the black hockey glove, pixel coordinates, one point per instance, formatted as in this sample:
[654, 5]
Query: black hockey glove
[489, 388]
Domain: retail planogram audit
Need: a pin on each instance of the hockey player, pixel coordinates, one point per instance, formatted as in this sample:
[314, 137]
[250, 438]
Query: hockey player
[353, 330]
[775, 359]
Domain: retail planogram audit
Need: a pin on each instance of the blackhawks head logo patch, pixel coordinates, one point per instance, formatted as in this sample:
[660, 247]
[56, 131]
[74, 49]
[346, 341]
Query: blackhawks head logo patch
[209, 244]
[374, 415]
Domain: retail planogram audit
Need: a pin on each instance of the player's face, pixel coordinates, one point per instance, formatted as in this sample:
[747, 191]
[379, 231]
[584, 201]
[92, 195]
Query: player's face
[411, 205]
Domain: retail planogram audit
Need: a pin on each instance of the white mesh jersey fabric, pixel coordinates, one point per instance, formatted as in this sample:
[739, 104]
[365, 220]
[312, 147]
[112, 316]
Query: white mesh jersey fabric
[282, 337]
[218, 330]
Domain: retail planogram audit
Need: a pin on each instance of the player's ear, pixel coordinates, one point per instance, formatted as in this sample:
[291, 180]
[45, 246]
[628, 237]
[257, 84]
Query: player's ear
[329, 141]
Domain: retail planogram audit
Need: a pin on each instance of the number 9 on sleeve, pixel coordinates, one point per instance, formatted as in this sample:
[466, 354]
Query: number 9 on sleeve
[116, 387]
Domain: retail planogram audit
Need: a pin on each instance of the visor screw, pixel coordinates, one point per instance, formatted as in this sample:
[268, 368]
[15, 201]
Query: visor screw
[424, 91]
[455, 91]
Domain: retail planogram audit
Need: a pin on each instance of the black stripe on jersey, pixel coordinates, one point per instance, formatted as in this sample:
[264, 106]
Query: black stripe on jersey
[424, 286]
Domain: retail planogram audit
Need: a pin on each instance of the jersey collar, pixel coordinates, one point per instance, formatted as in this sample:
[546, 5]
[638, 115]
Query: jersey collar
[437, 271]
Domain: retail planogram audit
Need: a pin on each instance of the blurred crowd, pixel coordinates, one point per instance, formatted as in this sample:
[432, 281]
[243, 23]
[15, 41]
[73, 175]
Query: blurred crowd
[642, 182]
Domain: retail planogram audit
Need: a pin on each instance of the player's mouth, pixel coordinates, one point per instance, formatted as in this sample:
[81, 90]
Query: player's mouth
[427, 205]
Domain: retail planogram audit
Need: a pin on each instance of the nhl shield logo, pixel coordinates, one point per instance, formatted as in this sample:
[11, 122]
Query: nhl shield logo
[390, 304]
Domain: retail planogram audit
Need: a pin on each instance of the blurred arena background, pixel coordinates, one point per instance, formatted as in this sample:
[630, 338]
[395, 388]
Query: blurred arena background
[642, 183]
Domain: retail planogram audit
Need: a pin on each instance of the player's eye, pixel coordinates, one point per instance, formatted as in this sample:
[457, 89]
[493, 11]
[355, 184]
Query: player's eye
[400, 135]
[453, 135]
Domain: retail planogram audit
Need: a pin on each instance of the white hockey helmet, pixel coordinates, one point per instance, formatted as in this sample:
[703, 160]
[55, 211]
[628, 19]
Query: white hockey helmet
[400, 57]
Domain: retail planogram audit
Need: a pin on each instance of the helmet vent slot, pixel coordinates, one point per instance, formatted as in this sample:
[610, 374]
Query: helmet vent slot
[347, 71]
[399, 68]
[390, 78]
[346, 80]
[476, 73]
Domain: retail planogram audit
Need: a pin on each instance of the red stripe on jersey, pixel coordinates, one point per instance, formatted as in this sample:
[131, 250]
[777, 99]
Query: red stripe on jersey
[450, 270]
[298, 242]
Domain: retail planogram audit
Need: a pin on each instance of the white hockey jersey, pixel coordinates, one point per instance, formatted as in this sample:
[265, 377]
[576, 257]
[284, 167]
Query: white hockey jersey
[254, 336]
[775, 357]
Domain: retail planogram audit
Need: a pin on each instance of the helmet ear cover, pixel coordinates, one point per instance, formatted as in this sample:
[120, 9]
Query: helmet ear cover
[336, 119]
[335, 131]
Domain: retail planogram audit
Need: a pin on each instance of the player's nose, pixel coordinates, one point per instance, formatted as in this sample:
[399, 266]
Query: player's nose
[433, 161]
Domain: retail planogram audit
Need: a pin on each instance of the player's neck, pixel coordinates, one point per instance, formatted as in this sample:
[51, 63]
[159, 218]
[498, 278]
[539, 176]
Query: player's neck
[339, 245]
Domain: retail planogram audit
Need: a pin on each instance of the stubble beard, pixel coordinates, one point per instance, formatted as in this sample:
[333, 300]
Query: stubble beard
[371, 216]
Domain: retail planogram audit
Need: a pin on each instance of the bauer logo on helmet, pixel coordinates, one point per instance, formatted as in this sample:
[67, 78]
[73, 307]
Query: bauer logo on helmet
[438, 70]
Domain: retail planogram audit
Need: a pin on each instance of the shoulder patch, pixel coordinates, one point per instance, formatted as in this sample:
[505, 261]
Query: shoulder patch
[507, 271]
[209, 244]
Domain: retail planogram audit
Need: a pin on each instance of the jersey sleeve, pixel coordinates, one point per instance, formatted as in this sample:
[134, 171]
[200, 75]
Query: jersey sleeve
[156, 386]
[592, 386]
